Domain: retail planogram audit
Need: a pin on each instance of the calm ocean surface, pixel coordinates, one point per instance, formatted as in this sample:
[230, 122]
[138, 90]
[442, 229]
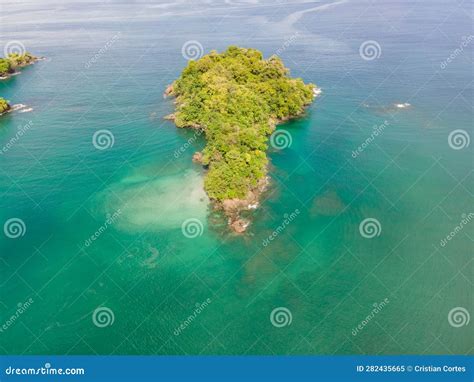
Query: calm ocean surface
[107, 66]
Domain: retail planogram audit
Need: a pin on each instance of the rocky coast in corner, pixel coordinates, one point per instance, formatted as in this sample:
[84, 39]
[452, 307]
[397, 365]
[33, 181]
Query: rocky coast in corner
[9, 67]
[236, 98]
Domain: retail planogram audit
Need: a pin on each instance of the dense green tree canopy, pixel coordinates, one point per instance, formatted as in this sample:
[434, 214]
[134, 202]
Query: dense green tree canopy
[237, 97]
[12, 61]
[4, 106]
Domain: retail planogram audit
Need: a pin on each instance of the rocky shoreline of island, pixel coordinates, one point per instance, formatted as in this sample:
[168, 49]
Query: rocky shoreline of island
[10, 65]
[8, 68]
[236, 98]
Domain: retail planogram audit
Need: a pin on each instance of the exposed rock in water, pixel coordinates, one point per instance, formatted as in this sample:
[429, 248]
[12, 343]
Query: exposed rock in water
[233, 207]
[168, 91]
[239, 225]
[197, 157]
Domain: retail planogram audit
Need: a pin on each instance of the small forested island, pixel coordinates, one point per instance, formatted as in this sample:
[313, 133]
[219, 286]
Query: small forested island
[10, 64]
[4, 106]
[236, 98]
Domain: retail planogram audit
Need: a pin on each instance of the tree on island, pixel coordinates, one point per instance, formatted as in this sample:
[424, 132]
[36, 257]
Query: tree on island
[237, 97]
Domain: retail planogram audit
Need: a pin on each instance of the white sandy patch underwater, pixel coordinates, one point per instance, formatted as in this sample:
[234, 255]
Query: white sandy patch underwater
[158, 203]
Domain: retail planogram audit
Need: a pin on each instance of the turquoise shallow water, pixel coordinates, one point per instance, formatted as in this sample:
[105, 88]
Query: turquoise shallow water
[107, 67]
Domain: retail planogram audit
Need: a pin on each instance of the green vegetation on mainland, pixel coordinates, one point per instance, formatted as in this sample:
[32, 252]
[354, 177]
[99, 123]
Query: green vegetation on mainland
[8, 66]
[4, 105]
[236, 97]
